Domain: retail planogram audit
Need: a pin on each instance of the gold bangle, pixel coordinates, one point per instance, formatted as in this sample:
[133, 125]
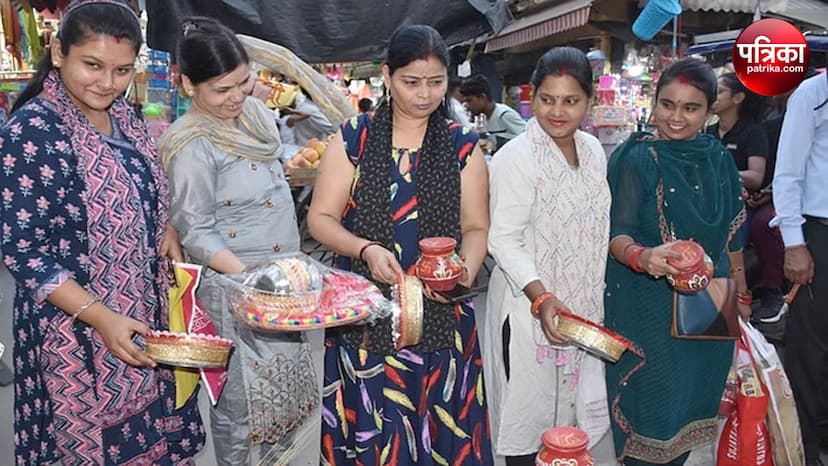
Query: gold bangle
[84, 307]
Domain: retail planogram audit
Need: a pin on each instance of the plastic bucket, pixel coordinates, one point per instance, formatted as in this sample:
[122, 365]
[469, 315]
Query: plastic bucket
[655, 15]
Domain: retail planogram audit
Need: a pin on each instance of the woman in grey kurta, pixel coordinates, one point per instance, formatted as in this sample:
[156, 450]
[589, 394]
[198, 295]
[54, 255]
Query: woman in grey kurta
[232, 207]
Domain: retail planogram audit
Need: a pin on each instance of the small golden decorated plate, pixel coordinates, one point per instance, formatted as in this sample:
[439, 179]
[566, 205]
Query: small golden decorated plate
[592, 337]
[188, 349]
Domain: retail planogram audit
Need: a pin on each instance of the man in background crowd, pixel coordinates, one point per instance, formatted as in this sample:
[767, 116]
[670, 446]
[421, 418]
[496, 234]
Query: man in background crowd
[366, 105]
[502, 121]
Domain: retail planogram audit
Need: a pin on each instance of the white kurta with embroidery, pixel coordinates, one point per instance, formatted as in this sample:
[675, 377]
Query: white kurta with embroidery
[549, 222]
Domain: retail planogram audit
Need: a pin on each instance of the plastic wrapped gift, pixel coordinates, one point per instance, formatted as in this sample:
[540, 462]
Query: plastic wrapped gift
[292, 293]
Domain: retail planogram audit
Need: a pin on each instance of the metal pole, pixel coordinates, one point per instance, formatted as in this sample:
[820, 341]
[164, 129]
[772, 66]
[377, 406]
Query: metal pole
[675, 36]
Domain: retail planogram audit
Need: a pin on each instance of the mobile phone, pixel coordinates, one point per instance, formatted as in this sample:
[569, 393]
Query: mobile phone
[459, 293]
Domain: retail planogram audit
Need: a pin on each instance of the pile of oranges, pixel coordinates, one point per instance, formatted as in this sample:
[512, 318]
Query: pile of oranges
[308, 156]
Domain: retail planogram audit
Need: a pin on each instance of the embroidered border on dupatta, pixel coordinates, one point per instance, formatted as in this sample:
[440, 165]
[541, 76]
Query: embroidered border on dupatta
[693, 435]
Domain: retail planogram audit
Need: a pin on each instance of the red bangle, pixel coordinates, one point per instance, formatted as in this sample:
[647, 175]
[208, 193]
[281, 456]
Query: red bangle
[744, 298]
[628, 246]
[542, 298]
[632, 262]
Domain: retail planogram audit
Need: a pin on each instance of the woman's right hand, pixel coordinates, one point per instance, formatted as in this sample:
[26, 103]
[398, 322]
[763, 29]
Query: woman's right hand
[548, 313]
[116, 331]
[654, 260]
[383, 264]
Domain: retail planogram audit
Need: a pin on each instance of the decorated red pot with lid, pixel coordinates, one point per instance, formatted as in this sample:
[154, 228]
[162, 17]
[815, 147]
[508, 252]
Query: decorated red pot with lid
[439, 266]
[564, 446]
[694, 266]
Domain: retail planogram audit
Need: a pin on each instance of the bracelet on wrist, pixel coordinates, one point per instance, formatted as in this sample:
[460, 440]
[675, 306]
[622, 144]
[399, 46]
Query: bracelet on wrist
[744, 298]
[84, 307]
[627, 248]
[366, 246]
[632, 262]
[536, 303]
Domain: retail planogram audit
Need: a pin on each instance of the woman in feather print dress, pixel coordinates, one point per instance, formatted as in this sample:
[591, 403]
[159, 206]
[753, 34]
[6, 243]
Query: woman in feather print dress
[384, 184]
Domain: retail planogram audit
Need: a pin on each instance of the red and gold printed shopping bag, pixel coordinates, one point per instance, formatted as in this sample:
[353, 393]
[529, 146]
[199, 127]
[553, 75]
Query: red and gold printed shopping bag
[745, 439]
[782, 417]
[187, 316]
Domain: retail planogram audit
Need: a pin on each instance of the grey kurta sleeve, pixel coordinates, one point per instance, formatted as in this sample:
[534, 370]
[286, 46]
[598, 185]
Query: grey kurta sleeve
[193, 178]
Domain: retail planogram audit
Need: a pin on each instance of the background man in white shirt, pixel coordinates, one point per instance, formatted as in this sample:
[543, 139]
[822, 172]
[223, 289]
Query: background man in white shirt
[800, 194]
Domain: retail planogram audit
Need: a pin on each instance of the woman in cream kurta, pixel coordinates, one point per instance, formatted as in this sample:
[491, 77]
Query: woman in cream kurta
[549, 231]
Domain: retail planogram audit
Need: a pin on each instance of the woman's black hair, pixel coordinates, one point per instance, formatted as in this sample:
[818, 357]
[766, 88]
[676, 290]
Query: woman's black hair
[208, 49]
[753, 105]
[78, 26]
[560, 61]
[693, 72]
[416, 42]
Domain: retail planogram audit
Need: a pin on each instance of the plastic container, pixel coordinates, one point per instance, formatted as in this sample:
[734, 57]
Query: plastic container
[606, 82]
[161, 96]
[525, 109]
[655, 15]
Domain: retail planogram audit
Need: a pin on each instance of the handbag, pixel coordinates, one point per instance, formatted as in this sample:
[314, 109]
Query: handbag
[710, 314]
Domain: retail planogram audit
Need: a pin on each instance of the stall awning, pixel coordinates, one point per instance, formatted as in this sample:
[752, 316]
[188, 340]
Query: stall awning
[567, 15]
[736, 6]
[328, 31]
[806, 11]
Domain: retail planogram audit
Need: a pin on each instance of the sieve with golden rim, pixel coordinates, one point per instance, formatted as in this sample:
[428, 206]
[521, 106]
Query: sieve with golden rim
[188, 349]
[592, 337]
[408, 322]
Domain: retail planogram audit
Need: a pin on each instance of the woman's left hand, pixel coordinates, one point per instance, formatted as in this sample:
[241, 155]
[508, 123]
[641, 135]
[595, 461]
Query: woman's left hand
[433, 295]
[745, 311]
[171, 245]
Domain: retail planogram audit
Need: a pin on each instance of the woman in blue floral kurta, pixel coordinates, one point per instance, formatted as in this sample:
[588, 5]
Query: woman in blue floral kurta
[84, 212]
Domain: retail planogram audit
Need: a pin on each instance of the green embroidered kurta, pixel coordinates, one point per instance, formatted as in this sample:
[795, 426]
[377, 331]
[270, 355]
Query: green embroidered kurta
[664, 396]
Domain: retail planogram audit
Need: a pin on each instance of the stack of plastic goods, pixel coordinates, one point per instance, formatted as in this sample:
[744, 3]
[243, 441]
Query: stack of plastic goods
[158, 106]
[159, 79]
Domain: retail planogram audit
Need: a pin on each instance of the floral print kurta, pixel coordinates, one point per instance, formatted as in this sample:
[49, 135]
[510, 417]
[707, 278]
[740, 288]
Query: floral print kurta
[75, 402]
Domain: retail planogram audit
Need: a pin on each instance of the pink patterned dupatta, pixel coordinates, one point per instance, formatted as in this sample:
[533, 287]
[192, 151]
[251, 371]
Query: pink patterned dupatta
[124, 273]
[108, 185]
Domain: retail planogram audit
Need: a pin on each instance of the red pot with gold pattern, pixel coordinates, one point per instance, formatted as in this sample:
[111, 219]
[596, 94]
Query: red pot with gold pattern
[564, 446]
[694, 266]
[439, 266]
